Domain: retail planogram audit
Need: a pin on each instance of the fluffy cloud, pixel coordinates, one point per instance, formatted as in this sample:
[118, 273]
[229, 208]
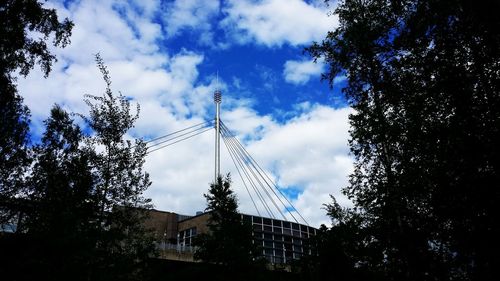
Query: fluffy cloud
[192, 15]
[306, 155]
[275, 22]
[299, 72]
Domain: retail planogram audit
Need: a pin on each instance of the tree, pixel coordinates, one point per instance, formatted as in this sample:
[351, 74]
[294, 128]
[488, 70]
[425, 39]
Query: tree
[117, 164]
[61, 223]
[14, 153]
[229, 242]
[85, 204]
[20, 50]
[424, 83]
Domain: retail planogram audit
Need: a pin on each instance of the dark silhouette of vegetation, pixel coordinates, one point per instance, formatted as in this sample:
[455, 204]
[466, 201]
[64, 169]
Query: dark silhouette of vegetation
[83, 211]
[423, 78]
[229, 242]
[19, 50]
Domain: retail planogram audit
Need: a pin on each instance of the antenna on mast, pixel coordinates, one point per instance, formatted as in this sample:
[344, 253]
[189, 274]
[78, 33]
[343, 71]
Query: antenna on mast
[217, 101]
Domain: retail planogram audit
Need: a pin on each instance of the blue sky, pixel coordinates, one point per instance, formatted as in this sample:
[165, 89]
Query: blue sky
[164, 55]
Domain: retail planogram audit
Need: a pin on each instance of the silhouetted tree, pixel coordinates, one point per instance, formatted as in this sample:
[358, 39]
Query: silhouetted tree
[61, 222]
[423, 78]
[14, 153]
[229, 242]
[19, 50]
[85, 208]
[124, 244]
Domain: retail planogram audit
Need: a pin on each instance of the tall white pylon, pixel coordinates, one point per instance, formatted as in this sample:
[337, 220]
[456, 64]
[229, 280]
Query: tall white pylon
[217, 101]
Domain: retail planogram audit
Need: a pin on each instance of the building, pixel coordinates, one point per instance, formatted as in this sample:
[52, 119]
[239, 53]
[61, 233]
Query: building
[281, 241]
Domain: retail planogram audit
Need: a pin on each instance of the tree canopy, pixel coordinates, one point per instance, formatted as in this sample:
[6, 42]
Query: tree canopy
[19, 48]
[84, 206]
[423, 78]
[229, 242]
[20, 22]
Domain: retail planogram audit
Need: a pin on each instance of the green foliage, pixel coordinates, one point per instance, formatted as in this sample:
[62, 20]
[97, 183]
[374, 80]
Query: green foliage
[229, 242]
[117, 165]
[424, 83]
[19, 50]
[14, 154]
[84, 197]
[61, 202]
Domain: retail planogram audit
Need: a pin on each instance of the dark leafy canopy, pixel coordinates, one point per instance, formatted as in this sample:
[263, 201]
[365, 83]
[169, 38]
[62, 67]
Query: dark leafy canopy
[85, 207]
[19, 48]
[123, 244]
[14, 154]
[60, 224]
[19, 19]
[229, 242]
[424, 81]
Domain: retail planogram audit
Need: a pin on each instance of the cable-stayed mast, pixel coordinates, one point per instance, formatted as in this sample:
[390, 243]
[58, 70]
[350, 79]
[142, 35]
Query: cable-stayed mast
[217, 101]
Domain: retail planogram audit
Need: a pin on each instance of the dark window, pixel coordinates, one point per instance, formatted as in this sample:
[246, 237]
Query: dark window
[278, 245]
[277, 229]
[296, 233]
[268, 244]
[278, 253]
[257, 235]
[278, 237]
[259, 243]
[193, 231]
[286, 224]
[257, 227]
[297, 241]
[287, 231]
[268, 236]
[266, 221]
[287, 239]
[288, 247]
[257, 220]
[295, 226]
[303, 228]
[297, 248]
[268, 252]
[247, 218]
[276, 223]
[305, 235]
[268, 228]
[311, 230]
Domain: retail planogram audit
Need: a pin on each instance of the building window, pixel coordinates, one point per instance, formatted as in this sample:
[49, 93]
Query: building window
[185, 236]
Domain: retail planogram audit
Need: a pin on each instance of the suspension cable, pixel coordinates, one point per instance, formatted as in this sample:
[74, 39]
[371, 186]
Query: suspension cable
[253, 162]
[208, 129]
[258, 167]
[245, 160]
[170, 134]
[237, 169]
[178, 136]
[249, 178]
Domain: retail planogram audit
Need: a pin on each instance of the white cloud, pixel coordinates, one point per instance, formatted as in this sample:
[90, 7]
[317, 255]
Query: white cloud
[308, 152]
[191, 15]
[275, 22]
[299, 72]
